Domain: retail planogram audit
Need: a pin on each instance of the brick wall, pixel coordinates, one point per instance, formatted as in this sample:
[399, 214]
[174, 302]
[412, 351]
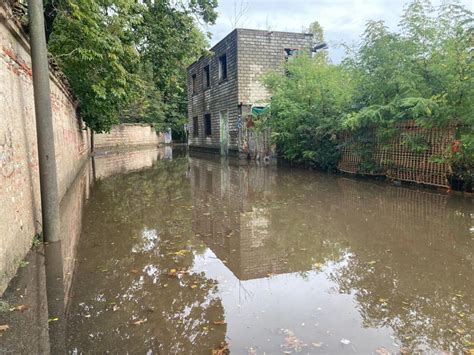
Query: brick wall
[221, 95]
[127, 136]
[250, 54]
[20, 211]
[120, 162]
[260, 51]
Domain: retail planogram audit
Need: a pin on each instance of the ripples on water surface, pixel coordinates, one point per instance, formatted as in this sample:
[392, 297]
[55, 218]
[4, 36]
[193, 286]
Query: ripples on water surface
[195, 251]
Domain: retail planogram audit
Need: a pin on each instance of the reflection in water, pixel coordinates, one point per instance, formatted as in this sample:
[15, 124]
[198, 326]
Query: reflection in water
[195, 251]
[178, 255]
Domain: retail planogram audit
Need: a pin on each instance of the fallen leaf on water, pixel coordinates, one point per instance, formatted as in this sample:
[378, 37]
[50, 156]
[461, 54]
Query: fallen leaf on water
[20, 308]
[219, 322]
[372, 262]
[223, 349]
[54, 319]
[181, 252]
[135, 271]
[292, 342]
[138, 322]
[4, 327]
[194, 286]
[345, 341]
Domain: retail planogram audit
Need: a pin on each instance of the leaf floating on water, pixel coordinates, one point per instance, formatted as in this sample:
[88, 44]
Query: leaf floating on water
[54, 319]
[181, 252]
[223, 349]
[219, 322]
[292, 342]
[345, 341]
[138, 322]
[372, 262]
[194, 286]
[135, 271]
[4, 327]
[20, 308]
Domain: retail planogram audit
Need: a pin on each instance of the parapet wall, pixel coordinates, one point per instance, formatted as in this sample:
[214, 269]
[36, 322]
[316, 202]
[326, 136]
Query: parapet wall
[128, 136]
[20, 209]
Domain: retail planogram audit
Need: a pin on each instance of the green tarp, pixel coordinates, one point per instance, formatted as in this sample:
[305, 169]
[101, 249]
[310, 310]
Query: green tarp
[258, 110]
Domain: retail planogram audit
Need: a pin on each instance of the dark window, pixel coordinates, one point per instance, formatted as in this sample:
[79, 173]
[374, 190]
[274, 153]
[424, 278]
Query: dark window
[289, 53]
[207, 124]
[194, 84]
[223, 67]
[206, 77]
[195, 127]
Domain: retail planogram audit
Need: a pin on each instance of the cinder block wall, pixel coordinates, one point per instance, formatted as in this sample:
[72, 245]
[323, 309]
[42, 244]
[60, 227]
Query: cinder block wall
[250, 54]
[222, 95]
[261, 51]
[20, 210]
[128, 136]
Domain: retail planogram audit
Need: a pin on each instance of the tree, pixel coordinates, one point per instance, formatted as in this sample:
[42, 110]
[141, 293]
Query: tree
[126, 60]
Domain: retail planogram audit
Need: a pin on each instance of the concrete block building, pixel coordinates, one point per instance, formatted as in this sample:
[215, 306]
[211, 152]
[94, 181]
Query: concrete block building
[225, 86]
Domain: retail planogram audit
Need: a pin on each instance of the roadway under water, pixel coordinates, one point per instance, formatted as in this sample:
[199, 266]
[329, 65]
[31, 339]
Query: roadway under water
[194, 254]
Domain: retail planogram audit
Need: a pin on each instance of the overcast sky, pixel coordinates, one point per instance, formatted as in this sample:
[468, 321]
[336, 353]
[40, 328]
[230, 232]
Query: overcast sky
[342, 20]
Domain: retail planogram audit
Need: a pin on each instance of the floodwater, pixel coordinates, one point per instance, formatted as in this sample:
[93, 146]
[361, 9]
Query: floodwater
[194, 254]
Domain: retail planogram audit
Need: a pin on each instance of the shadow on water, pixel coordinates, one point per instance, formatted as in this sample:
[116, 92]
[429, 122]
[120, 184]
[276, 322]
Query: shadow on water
[178, 254]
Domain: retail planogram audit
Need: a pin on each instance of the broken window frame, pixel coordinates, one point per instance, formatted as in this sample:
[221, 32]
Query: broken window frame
[206, 76]
[223, 67]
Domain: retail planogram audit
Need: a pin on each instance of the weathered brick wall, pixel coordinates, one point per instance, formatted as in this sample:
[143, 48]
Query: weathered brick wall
[222, 95]
[20, 211]
[250, 54]
[260, 51]
[111, 164]
[128, 135]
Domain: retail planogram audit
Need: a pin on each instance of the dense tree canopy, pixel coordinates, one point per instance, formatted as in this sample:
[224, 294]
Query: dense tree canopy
[424, 71]
[126, 60]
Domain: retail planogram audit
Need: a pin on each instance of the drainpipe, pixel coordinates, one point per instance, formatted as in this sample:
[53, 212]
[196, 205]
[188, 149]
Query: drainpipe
[44, 124]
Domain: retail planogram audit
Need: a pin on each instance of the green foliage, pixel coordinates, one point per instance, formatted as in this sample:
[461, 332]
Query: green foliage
[462, 160]
[308, 100]
[126, 60]
[424, 72]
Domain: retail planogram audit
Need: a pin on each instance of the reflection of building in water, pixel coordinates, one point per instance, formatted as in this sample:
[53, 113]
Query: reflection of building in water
[226, 218]
[260, 222]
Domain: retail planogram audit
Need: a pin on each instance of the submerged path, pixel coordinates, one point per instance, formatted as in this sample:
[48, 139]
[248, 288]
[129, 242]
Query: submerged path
[190, 253]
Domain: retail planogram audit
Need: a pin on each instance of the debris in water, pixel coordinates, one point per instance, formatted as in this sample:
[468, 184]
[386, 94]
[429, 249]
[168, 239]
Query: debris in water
[292, 342]
[345, 341]
[20, 308]
[223, 349]
[138, 322]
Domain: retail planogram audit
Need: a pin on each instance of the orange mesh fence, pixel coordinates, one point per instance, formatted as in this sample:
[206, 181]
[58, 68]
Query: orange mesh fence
[398, 160]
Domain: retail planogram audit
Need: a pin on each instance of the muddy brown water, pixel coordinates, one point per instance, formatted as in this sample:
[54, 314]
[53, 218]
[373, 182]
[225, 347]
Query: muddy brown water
[191, 252]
